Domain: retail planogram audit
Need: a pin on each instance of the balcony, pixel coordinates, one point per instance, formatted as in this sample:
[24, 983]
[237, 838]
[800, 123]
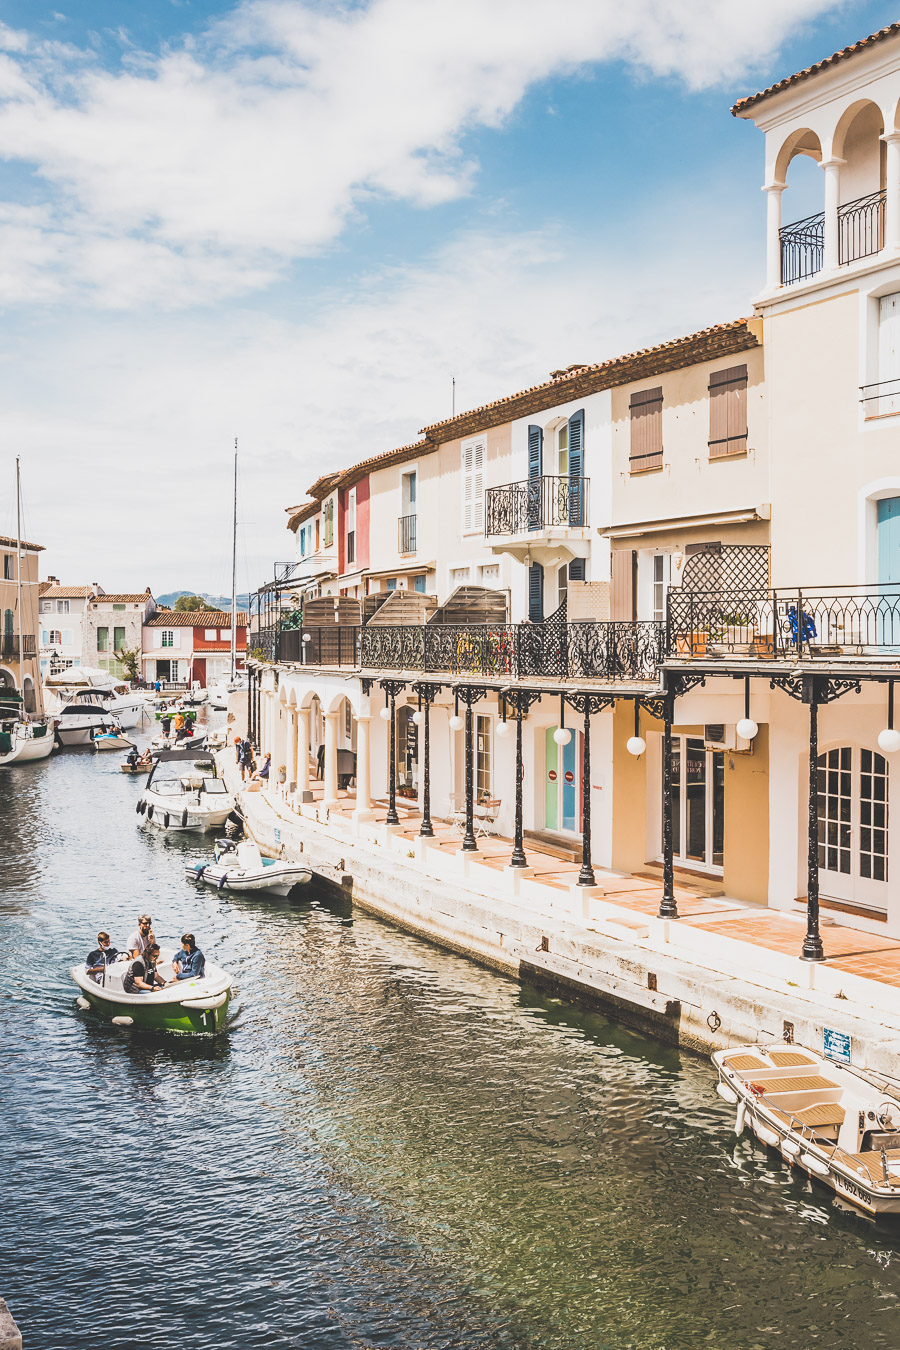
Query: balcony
[9, 645]
[856, 622]
[540, 519]
[407, 534]
[328, 645]
[860, 231]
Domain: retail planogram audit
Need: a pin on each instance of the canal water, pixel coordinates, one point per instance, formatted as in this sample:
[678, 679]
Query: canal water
[391, 1148]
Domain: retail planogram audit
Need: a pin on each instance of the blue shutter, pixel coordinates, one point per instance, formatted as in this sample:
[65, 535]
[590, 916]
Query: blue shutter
[576, 468]
[535, 470]
[536, 593]
[576, 569]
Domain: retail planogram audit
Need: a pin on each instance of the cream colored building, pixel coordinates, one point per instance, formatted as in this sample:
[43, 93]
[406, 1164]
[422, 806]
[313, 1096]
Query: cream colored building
[19, 660]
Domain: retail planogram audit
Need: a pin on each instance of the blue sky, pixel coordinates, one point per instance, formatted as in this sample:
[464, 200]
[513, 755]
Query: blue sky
[294, 222]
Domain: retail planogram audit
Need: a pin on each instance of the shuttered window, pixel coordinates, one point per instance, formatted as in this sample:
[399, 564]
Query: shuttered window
[646, 430]
[728, 412]
[536, 593]
[624, 562]
[473, 487]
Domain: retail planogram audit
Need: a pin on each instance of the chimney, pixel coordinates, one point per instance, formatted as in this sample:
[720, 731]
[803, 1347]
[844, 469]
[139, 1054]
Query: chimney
[53, 581]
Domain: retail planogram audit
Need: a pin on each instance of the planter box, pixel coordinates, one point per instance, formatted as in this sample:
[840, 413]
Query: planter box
[691, 644]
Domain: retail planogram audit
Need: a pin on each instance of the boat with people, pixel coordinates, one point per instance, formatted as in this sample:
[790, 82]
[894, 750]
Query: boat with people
[77, 722]
[241, 867]
[191, 798]
[97, 689]
[113, 739]
[838, 1124]
[189, 1007]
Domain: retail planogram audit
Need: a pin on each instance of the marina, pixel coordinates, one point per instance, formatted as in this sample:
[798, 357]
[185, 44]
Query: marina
[459, 1160]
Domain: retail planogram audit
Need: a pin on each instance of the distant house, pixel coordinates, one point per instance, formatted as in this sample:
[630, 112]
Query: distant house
[62, 614]
[113, 624]
[181, 648]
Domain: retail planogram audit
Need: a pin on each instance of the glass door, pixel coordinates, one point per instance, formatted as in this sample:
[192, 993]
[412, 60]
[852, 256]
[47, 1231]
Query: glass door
[698, 803]
[853, 827]
[562, 779]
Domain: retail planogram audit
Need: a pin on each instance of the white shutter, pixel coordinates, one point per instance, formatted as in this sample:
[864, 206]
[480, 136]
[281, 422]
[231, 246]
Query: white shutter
[478, 487]
[176, 637]
[67, 637]
[888, 354]
[467, 488]
[157, 637]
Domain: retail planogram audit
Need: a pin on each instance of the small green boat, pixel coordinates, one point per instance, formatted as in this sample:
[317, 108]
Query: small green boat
[188, 1008]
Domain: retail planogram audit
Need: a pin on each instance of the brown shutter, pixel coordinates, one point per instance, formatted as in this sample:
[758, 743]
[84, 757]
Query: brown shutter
[624, 562]
[646, 430]
[728, 412]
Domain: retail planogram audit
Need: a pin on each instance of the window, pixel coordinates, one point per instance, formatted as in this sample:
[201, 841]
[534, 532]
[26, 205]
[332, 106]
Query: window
[728, 412]
[483, 773]
[390, 584]
[102, 639]
[659, 586]
[562, 451]
[167, 638]
[853, 826]
[698, 803]
[348, 721]
[46, 607]
[8, 574]
[318, 534]
[489, 574]
[62, 606]
[646, 430]
[459, 576]
[118, 607]
[211, 634]
[55, 638]
[473, 456]
[328, 521]
[119, 638]
[302, 539]
[888, 358]
[408, 493]
[419, 585]
[351, 525]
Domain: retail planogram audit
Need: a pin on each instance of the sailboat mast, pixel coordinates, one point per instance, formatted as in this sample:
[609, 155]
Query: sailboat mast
[19, 582]
[234, 571]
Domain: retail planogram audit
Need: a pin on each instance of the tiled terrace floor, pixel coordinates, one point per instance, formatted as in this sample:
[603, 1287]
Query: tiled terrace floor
[868, 955]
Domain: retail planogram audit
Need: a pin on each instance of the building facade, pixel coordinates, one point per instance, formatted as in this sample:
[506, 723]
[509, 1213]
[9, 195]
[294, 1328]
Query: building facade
[19, 657]
[179, 649]
[113, 625]
[63, 611]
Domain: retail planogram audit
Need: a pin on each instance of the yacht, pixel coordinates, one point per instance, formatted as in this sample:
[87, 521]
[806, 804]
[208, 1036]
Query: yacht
[84, 684]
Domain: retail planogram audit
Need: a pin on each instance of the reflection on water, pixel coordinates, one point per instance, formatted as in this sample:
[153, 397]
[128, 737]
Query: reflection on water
[392, 1147]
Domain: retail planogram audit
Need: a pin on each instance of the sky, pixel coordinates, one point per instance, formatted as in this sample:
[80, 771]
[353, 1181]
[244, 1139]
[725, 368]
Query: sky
[295, 222]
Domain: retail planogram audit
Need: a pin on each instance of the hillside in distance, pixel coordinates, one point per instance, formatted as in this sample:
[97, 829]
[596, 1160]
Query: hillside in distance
[222, 602]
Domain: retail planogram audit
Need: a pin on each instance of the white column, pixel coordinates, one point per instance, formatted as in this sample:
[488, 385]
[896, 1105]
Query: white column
[773, 235]
[331, 774]
[892, 191]
[363, 785]
[832, 169]
[291, 757]
[302, 750]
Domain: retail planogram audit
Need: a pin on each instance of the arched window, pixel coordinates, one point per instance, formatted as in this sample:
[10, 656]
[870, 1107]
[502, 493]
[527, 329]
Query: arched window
[853, 826]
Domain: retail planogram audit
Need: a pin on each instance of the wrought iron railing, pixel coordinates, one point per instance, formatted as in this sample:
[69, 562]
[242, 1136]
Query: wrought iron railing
[537, 503]
[516, 651]
[407, 532]
[9, 645]
[802, 248]
[861, 227]
[785, 624]
[331, 645]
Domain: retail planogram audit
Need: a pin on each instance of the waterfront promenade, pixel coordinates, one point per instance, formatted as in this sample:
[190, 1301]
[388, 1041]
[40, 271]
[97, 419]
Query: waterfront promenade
[723, 973]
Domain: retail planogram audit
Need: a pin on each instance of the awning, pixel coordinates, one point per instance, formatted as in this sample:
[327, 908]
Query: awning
[713, 518]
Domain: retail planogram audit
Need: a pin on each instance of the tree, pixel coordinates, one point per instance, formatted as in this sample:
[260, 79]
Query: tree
[189, 604]
[131, 662]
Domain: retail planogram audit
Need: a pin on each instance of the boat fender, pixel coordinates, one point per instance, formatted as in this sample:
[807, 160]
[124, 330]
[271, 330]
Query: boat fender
[184, 818]
[726, 1093]
[790, 1146]
[150, 811]
[82, 1003]
[123, 1021]
[814, 1164]
[766, 1135]
[740, 1119]
[222, 879]
[166, 820]
[140, 806]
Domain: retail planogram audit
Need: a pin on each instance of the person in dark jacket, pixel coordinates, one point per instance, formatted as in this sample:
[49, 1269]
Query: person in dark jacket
[102, 956]
[141, 976]
[190, 963]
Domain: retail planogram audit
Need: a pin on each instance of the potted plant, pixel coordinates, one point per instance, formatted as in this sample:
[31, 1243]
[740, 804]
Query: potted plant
[282, 773]
[691, 644]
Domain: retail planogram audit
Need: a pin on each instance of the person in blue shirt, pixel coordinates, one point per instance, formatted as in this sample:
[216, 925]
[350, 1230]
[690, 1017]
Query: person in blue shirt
[102, 956]
[190, 963]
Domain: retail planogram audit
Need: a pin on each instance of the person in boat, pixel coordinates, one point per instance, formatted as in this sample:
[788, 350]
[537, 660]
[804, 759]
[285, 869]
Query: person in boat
[146, 758]
[102, 956]
[131, 759]
[165, 722]
[141, 976]
[190, 963]
[246, 757]
[140, 939]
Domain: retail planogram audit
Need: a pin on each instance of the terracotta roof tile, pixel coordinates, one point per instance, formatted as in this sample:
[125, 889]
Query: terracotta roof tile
[110, 599]
[67, 593]
[752, 99]
[11, 543]
[195, 618]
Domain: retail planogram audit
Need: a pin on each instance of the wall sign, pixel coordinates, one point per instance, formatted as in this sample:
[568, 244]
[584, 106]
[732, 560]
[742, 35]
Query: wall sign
[837, 1045]
[277, 836]
[552, 775]
[570, 777]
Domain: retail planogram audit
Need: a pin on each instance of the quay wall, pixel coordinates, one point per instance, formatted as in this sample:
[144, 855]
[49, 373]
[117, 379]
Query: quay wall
[640, 972]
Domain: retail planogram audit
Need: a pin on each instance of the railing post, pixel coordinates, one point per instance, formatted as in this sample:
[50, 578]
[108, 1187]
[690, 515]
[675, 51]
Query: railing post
[518, 858]
[799, 625]
[392, 818]
[469, 845]
[586, 875]
[668, 909]
[812, 943]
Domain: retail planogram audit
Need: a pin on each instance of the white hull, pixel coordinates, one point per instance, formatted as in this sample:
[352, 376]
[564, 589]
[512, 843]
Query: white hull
[838, 1125]
[278, 879]
[26, 749]
[75, 736]
[112, 742]
[163, 814]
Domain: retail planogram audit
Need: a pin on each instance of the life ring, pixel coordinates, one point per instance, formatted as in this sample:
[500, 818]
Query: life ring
[166, 820]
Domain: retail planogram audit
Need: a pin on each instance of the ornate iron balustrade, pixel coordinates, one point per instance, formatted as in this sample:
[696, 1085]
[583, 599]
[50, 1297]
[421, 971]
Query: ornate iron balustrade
[263, 642]
[861, 227]
[407, 532]
[538, 503]
[9, 645]
[329, 645]
[786, 624]
[616, 650]
[802, 248]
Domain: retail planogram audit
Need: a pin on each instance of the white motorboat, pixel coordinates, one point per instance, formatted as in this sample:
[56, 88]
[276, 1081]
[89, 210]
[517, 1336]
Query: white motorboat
[112, 740]
[838, 1124]
[22, 739]
[190, 799]
[241, 867]
[76, 722]
[191, 1007]
[97, 688]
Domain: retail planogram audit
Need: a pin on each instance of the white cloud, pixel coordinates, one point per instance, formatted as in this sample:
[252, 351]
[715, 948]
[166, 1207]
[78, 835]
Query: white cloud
[205, 169]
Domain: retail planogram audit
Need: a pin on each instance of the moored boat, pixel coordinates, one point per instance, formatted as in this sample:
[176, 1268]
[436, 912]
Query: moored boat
[837, 1124]
[194, 1007]
[111, 740]
[241, 867]
[22, 738]
[191, 799]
